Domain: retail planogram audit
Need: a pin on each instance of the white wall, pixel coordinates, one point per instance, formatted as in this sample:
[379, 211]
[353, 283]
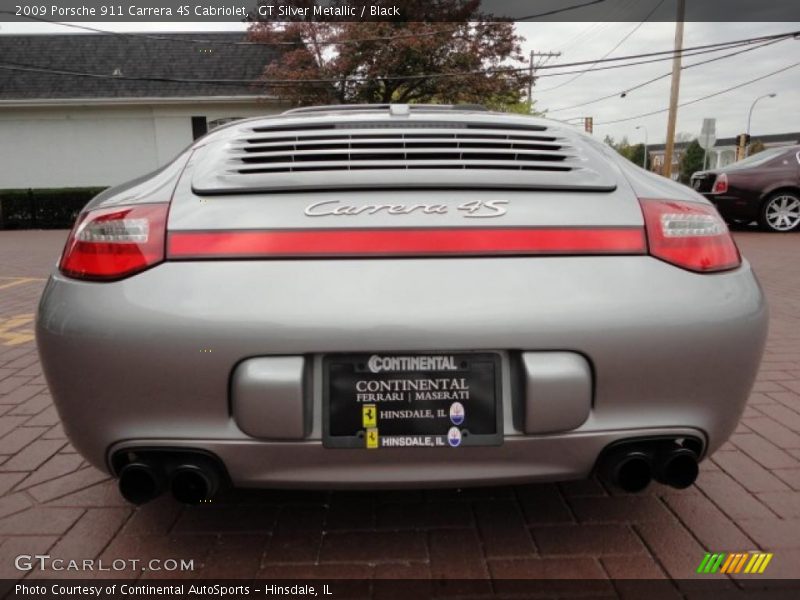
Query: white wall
[82, 146]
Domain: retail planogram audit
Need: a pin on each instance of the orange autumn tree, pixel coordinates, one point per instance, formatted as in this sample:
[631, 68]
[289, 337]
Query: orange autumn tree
[381, 62]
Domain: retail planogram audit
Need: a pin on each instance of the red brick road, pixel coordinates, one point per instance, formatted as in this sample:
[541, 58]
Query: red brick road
[747, 496]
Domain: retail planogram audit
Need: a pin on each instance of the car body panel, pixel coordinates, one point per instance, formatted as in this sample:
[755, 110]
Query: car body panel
[657, 364]
[148, 361]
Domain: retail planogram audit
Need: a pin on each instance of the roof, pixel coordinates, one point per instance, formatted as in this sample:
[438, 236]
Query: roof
[119, 57]
[773, 138]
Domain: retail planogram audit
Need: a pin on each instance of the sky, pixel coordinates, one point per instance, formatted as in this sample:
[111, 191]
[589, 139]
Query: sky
[589, 41]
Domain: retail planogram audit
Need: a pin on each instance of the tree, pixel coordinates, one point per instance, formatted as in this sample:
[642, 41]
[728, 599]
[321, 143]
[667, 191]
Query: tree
[519, 108]
[756, 146]
[398, 66]
[692, 161]
[634, 153]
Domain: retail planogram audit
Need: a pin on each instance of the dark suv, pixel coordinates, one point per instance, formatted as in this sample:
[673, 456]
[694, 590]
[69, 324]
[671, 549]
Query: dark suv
[764, 187]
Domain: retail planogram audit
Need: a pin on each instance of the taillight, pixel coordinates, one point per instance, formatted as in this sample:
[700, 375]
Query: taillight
[115, 242]
[720, 184]
[689, 235]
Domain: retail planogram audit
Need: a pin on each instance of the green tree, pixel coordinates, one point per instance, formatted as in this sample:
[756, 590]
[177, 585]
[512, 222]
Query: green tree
[634, 153]
[692, 161]
[518, 108]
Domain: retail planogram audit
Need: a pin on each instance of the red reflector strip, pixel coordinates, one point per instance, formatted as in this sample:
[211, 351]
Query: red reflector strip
[405, 242]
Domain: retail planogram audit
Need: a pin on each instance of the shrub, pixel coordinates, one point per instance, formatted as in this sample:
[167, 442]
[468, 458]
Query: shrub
[692, 161]
[43, 208]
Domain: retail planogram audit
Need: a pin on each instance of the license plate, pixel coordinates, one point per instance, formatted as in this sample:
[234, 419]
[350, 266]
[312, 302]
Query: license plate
[383, 401]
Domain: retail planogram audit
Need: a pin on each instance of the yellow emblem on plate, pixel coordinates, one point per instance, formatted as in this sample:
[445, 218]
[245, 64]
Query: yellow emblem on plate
[369, 415]
[372, 438]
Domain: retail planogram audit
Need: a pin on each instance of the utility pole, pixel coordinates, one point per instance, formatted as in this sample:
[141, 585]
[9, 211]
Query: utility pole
[530, 83]
[532, 70]
[674, 89]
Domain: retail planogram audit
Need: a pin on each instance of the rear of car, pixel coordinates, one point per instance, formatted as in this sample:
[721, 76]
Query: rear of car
[394, 296]
[764, 187]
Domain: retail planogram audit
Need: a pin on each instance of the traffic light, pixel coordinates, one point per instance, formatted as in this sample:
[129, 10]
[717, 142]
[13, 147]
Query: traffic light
[588, 124]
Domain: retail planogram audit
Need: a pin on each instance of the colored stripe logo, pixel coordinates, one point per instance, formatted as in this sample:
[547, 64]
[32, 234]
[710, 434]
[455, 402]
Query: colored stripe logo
[385, 242]
[735, 562]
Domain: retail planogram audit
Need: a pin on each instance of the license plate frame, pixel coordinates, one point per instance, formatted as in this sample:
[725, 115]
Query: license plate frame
[479, 371]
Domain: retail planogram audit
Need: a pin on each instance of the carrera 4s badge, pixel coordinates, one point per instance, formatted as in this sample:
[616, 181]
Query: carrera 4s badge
[477, 209]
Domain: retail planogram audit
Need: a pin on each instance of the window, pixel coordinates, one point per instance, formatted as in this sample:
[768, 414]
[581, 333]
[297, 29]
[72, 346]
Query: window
[199, 127]
[758, 159]
[220, 122]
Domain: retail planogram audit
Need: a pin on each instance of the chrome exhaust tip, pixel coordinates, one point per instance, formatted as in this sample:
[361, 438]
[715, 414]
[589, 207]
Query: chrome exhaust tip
[629, 469]
[676, 467]
[140, 482]
[193, 484]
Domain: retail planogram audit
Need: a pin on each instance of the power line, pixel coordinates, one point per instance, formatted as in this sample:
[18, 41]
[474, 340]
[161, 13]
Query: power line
[654, 79]
[557, 11]
[543, 56]
[11, 66]
[210, 42]
[23, 67]
[598, 26]
[286, 43]
[662, 55]
[706, 97]
[248, 42]
[186, 40]
[669, 54]
[606, 55]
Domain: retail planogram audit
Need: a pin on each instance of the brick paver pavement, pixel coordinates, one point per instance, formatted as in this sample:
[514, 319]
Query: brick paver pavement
[747, 496]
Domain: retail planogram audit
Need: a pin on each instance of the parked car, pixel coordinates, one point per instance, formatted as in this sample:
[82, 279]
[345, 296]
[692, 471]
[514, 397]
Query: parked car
[764, 187]
[386, 296]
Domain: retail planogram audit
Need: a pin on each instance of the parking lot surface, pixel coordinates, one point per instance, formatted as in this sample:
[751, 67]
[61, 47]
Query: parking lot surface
[747, 496]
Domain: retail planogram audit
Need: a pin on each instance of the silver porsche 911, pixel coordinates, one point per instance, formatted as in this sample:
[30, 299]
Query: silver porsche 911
[392, 295]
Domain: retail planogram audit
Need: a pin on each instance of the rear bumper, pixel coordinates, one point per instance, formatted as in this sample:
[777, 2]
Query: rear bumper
[734, 207]
[307, 465]
[147, 361]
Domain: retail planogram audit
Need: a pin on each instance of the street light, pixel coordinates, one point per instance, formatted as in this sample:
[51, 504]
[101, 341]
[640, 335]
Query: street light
[750, 116]
[644, 160]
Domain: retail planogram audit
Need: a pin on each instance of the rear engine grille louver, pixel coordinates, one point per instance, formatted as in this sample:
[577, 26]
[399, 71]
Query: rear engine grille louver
[304, 156]
[443, 146]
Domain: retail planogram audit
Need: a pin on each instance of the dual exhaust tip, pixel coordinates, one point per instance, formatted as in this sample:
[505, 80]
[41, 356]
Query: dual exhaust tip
[630, 467]
[190, 481]
[633, 466]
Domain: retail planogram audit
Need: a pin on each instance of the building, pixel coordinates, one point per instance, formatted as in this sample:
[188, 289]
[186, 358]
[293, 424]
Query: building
[77, 111]
[723, 153]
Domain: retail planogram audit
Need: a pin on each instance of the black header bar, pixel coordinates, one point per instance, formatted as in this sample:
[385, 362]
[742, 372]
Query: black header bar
[176, 11]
